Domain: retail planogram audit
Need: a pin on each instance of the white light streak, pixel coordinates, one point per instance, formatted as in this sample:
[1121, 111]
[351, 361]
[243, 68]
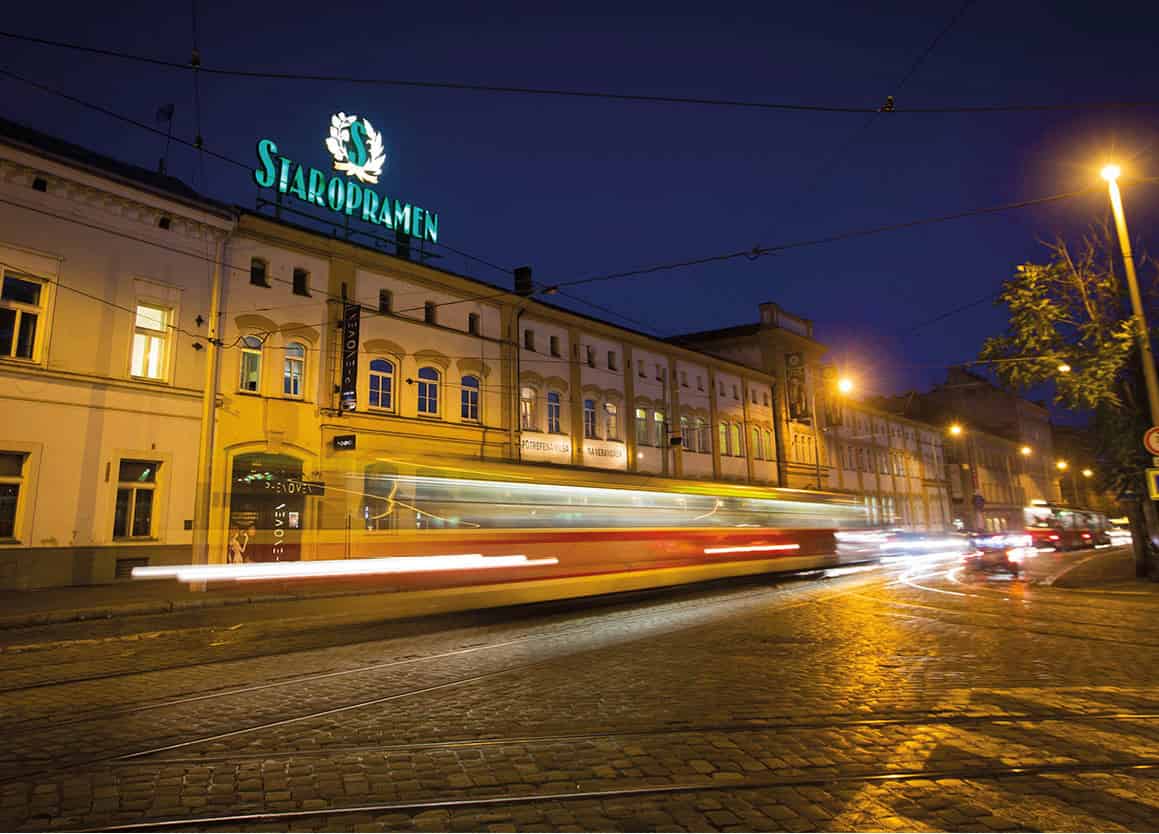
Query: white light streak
[754, 548]
[336, 568]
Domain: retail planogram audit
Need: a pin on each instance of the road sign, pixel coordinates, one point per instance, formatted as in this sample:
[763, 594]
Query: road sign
[1151, 440]
[1153, 484]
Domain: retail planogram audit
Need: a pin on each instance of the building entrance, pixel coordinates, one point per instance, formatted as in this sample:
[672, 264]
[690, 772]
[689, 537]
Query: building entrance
[266, 506]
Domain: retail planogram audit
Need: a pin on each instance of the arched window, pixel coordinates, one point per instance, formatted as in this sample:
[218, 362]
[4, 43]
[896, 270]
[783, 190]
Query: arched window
[553, 411]
[527, 417]
[428, 392]
[470, 389]
[770, 452]
[250, 377]
[757, 447]
[589, 418]
[294, 370]
[722, 439]
[611, 421]
[737, 440]
[659, 430]
[642, 424]
[381, 384]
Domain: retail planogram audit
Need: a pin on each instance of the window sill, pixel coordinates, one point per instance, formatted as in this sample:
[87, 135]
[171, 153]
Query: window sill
[148, 380]
[7, 542]
[246, 393]
[135, 539]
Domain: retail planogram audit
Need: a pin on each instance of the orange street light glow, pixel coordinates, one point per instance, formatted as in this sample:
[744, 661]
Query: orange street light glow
[1062, 465]
[845, 385]
[1110, 172]
[955, 429]
[1026, 450]
[1088, 473]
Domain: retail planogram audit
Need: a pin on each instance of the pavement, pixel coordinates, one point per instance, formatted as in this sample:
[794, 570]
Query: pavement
[911, 696]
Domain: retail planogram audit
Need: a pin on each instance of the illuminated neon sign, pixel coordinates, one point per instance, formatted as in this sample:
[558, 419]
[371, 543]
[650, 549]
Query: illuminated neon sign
[358, 153]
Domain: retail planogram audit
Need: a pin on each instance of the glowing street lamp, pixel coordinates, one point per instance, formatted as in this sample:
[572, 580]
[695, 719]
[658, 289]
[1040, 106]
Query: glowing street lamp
[845, 385]
[1111, 174]
[956, 429]
[1087, 473]
[1062, 465]
[1026, 451]
[1063, 368]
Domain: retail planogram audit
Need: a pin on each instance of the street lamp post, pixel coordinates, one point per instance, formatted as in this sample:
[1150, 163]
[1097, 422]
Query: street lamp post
[1111, 175]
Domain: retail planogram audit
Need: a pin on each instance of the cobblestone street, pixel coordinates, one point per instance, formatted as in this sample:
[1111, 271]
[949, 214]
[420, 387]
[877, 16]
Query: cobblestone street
[912, 695]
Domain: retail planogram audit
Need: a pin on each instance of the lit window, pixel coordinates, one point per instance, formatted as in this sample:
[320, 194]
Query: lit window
[259, 272]
[642, 425]
[20, 313]
[136, 485]
[470, 399]
[431, 312]
[301, 281]
[473, 324]
[555, 345]
[381, 384]
[659, 432]
[553, 412]
[527, 399]
[722, 438]
[589, 418]
[250, 377]
[612, 421]
[384, 301]
[11, 479]
[150, 340]
[294, 370]
[770, 453]
[428, 392]
[737, 444]
[758, 449]
[529, 339]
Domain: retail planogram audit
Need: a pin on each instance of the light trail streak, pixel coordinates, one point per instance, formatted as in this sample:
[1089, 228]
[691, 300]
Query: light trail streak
[755, 548]
[334, 568]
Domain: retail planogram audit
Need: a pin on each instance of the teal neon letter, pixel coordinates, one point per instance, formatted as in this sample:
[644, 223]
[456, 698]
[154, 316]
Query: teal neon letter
[284, 174]
[384, 215]
[402, 216]
[298, 185]
[317, 190]
[353, 197]
[369, 206]
[356, 150]
[335, 194]
[417, 225]
[432, 227]
[264, 176]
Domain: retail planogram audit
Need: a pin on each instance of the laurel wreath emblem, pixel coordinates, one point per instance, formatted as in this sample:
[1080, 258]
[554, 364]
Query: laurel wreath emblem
[338, 140]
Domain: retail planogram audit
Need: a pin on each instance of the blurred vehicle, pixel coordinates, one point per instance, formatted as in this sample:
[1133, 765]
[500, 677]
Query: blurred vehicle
[1119, 531]
[1054, 527]
[1002, 551]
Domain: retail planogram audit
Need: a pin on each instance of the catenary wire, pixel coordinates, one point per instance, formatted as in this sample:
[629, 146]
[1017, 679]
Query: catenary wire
[586, 94]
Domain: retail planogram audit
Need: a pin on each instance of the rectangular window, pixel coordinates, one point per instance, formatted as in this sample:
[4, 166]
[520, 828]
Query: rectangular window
[11, 479]
[431, 313]
[428, 400]
[684, 379]
[527, 409]
[259, 272]
[659, 372]
[612, 421]
[642, 427]
[699, 383]
[722, 438]
[612, 361]
[659, 430]
[21, 299]
[136, 485]
[150, 342]
[591, 357]
[590, 418]
[553, 412]
[737, 441]
[735, 393]
[473, 324]
[640, 368]
[301, 281]
[555, 345]
[753, 393]
[384, 301]
[529, 339]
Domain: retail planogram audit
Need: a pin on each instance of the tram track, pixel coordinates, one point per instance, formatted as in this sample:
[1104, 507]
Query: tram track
[789, 724]
[1140, 766]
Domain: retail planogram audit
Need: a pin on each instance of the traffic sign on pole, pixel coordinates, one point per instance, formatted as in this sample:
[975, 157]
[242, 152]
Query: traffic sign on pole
[1151, 440]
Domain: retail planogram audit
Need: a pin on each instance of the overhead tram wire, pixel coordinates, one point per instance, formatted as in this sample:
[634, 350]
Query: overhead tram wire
[588, 94]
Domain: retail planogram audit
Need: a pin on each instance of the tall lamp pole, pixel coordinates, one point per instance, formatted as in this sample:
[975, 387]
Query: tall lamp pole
[1111, 175]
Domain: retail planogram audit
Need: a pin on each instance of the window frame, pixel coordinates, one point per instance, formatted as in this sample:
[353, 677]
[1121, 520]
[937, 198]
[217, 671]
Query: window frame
[304, 288]
[430, 312]
[385, 302]
[529, 339]
[612, 363]
[246, 350]
[288, 364]
[469, 399]
[553, 345]
[21, 309]
[642, 434]
[529, 416]
[554, 420]
[427, 391]
[474, 324]
[589, 408]
[611, 421]
[20, 481]
[660, 428]
[390, 374]
[265, 272]
[133, 488]
[163, 335]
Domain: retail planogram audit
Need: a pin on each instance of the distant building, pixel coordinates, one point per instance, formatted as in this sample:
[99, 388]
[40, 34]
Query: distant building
[1002, 459]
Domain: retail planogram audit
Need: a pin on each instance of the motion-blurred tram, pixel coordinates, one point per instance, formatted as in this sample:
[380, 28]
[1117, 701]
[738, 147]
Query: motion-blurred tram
[430, 524]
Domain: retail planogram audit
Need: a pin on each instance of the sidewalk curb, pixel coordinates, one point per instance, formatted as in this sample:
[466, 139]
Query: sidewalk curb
[154, 607]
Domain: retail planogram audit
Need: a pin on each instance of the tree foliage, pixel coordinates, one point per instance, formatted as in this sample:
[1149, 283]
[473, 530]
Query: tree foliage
[1075, 309]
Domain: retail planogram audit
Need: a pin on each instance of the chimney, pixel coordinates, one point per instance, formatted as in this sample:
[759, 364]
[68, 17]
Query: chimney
[523, 281]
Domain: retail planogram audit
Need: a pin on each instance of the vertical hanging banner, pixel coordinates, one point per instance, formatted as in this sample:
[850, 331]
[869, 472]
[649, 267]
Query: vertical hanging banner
[351, 319]
[795, 390]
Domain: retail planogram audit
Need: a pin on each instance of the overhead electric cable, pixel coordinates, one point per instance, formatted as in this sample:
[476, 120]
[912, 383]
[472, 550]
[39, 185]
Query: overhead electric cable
[586, 94]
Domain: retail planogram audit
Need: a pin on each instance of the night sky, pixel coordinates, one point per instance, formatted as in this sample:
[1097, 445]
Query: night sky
[577, 188]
